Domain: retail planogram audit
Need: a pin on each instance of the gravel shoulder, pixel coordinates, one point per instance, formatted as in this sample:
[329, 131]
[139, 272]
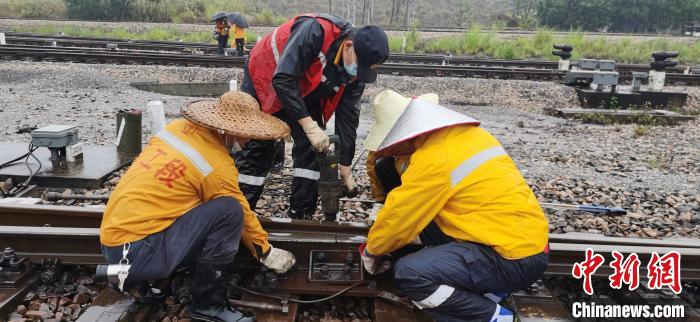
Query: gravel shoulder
[654, 175]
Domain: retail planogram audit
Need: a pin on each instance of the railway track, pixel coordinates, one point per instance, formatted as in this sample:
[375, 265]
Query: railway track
[70, 234]
[108, 50]
[135, 44]
[82, 55]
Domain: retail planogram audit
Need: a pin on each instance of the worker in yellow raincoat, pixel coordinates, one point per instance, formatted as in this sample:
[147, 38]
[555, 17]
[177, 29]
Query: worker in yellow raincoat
[179, 204]
[460, 177]
[238, 39]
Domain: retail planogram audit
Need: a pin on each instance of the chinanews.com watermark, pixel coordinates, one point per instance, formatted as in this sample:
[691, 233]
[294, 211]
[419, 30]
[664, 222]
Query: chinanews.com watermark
[592, 310]
[663, 272]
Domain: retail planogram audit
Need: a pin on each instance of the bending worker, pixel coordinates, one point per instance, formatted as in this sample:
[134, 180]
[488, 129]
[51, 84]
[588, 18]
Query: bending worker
[179, 204]
[306, 70]
[460, 177]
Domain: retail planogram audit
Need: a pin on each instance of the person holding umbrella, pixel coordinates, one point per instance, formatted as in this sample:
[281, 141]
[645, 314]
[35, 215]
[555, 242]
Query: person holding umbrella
[239, 24]
[221, 31]
[306, 70]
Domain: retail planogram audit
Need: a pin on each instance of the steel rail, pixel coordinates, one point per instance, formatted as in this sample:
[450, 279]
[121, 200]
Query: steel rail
[24, 228]
[157, 58]
[82, 246]
[94, 42]
[91, 217]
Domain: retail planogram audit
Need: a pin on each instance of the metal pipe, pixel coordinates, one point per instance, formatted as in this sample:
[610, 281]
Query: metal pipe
[258, 305]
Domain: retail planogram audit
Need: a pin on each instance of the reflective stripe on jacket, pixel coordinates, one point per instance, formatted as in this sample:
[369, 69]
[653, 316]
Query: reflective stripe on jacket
[463, 179]
[266, 54]
[183, 166]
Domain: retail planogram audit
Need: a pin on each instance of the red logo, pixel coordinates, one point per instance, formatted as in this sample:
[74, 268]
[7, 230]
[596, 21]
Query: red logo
[587, 268]
[665, 271]
[662, 271]
[626, 271]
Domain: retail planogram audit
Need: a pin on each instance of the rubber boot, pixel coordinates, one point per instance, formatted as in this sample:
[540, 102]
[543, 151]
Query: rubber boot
[209, 302]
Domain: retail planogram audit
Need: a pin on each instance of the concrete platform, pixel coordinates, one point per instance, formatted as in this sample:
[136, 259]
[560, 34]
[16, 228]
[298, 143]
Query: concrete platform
[661, 117]
[626, 99]
[97, 163]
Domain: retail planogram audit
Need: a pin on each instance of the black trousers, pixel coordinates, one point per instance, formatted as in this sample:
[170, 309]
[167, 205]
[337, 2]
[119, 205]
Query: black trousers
[257, 158]
[459, 281]
[240, 46]
[209, 233]
[223, 43]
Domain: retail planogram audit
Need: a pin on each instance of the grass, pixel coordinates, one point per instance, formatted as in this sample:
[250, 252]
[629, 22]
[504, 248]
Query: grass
[641, 130]
[52, 9]
[475, 42]
[655, 163]
[157, 33]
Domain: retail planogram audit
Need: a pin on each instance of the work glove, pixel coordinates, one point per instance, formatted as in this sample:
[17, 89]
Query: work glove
[348, 180]
[318, 138]
[278, 260]
[374, 264]
[376, 207]
[215, 35]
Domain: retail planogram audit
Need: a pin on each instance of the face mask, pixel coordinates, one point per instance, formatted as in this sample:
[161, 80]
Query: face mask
[351, 69]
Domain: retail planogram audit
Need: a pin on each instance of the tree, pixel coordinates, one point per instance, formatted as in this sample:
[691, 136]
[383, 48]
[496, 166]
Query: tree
[464, 12]
[617, 15]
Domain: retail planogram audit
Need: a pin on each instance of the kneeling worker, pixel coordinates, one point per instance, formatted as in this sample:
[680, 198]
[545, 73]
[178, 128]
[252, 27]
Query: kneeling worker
[180, 203]
[461, 178]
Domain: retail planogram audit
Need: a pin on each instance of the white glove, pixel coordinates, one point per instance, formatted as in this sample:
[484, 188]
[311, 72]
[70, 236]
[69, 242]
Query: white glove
[278, 260]
[348, 180]
[318, 138]
[376, 207]
[374, 264]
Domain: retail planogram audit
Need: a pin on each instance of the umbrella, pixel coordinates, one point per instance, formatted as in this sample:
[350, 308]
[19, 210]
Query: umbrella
[237, 19]
[218, 16]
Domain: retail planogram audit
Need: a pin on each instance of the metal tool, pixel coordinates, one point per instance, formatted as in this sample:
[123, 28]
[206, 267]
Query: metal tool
[330, 189]
[589, 208]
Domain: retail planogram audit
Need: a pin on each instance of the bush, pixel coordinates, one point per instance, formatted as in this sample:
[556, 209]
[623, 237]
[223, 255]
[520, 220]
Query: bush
[54, 9]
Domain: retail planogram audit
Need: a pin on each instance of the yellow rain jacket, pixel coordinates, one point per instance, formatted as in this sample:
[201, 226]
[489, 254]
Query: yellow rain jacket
[462, 178]
[238, 32]
[182, 167]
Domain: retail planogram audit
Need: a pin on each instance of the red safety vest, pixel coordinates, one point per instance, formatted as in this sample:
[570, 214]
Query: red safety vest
[265, 55]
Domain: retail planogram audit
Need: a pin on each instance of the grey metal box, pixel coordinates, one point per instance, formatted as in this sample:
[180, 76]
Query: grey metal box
[587, 64]
[605, 78]
[606, 65]
[55, 136]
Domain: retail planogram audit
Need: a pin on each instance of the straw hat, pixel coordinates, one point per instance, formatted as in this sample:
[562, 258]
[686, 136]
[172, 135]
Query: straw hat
[387, 107]
[421, 117]
[238, 114]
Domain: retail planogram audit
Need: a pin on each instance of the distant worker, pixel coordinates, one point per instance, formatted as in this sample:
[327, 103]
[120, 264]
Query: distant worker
[221, 32]
[239, 39]
[461, 178]
[179, 204]
[306, 70]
